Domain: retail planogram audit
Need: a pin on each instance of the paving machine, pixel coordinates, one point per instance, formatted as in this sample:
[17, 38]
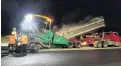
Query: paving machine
[51, 39]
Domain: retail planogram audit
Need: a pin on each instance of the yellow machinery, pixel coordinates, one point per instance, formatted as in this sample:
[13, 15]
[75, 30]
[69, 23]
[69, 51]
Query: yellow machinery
[49, 20]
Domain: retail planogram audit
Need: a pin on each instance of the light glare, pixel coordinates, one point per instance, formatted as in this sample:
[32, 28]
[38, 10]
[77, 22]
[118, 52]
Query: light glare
[28, 17]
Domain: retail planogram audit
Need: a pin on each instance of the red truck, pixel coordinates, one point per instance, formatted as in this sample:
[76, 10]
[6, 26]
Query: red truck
[104, 39]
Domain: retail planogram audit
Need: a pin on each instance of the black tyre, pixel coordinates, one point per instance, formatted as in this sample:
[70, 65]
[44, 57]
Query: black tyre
[99, 44]
[105, 44]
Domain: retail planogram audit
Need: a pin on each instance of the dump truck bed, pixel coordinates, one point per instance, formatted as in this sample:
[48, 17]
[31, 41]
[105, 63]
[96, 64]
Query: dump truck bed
[95, 23]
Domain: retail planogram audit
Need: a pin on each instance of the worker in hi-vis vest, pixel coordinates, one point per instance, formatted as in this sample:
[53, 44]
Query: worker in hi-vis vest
[11, 43]
[14, 32]
[23, 43]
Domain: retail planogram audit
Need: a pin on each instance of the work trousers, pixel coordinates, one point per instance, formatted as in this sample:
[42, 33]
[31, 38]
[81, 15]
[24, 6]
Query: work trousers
[11, 48]
[24, 49]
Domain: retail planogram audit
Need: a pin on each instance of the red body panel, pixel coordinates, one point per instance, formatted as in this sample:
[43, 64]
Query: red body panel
[91, 40]
[112, 37]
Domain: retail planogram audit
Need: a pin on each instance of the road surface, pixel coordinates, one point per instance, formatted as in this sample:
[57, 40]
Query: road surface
[98, 57]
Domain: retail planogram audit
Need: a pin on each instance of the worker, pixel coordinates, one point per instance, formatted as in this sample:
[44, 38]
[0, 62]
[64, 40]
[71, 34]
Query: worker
[14, 32]
[24, 42]
[11, 43]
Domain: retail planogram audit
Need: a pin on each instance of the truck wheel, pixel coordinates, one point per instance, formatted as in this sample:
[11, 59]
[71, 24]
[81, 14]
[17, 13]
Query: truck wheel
[120, 44]
[105, 44]
[76, 45]
[95, 44]
[116, 44]
[99, 44]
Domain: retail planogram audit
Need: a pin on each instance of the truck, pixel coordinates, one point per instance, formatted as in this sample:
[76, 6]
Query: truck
[64, 38]
[103, 39]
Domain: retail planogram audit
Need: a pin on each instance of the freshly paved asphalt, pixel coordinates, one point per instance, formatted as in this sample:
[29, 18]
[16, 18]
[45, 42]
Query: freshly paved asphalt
[100, 57]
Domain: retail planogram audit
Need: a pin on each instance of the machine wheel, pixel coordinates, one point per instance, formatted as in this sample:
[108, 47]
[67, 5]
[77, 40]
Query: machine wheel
[105, 44]
[99, 44]
[37, 47]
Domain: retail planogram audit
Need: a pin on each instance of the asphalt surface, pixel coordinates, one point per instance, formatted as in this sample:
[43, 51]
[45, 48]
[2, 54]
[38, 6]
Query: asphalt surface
[100, 57]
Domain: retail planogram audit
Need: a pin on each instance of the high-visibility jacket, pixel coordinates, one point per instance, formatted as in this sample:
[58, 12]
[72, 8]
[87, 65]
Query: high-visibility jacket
[14, 33]
[11, 39]
[24, 40]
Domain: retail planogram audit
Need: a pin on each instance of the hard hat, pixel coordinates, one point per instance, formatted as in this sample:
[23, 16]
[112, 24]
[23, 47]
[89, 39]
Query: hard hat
[12, 33]
[14, 28]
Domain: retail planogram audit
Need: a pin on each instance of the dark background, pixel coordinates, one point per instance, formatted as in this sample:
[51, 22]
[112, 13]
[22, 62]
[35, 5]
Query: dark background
[61, 11]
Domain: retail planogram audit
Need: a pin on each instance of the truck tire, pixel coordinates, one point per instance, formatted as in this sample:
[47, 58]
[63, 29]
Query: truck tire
[116, 44]
[95, 44]
[105, 44]
[99, 44]
[120, 44]
[76, 45]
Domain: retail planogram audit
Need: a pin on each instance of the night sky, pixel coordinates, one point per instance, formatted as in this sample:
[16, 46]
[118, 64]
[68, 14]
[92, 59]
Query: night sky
[61, 10]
